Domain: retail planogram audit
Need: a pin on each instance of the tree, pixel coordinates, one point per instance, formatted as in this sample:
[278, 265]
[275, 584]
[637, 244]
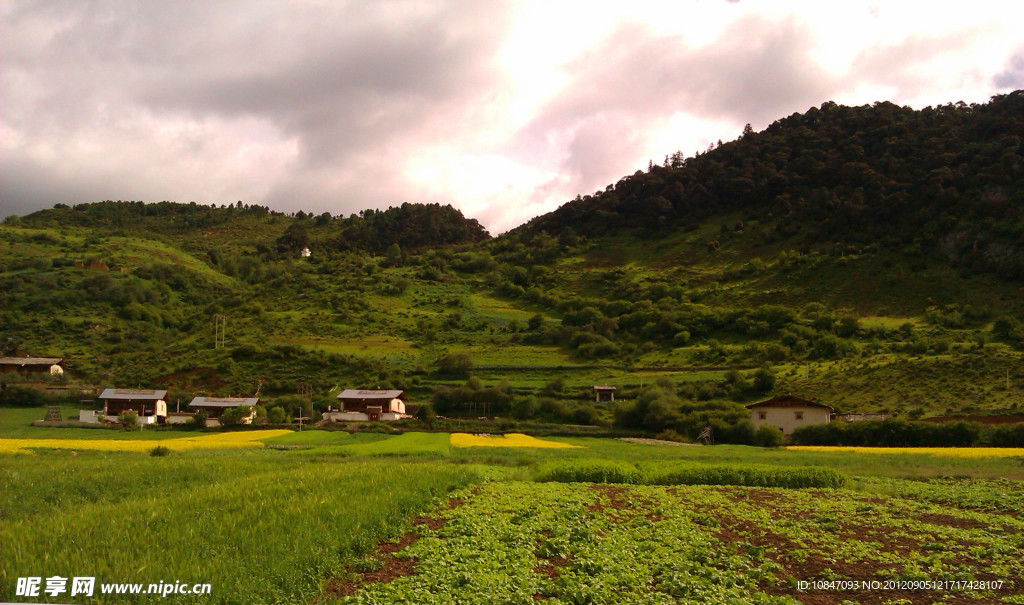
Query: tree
[394, 255]
[277, 416]
[764, 380]
[426, 413]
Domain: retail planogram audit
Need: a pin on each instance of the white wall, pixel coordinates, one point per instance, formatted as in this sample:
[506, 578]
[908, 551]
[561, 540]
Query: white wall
[786, 418]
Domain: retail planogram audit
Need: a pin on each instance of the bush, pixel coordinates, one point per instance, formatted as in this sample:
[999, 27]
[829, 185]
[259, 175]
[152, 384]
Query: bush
[159, 451]
[687, 473]
[16, 395]
[456, 364]
[891, 433]
[769, 436]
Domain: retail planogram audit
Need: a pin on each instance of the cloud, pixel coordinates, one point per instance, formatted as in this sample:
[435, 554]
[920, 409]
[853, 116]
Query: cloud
[1013, 76]
[311, 95]
[625, 89]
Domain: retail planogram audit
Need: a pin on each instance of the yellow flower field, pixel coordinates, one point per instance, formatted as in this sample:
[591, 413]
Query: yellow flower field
[955, 452]
[509, 440]
[213, 441]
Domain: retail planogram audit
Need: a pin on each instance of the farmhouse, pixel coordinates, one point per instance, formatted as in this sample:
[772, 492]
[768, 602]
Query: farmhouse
[358, 405]
[788, 412]
[32, 365]
[147, 403]
[216, 406]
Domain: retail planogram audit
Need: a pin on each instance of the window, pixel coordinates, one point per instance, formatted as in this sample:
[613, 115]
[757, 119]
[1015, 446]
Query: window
[762, 415]
[799, 415]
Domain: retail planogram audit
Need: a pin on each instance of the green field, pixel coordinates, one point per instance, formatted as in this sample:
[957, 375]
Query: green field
[329, 516]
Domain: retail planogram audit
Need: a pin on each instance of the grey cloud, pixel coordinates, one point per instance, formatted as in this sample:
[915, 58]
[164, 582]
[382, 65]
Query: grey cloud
[348, 83]
[1013, 76]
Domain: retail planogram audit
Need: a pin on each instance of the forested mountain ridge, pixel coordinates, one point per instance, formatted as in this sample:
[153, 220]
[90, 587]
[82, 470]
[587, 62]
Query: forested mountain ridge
[948, 180]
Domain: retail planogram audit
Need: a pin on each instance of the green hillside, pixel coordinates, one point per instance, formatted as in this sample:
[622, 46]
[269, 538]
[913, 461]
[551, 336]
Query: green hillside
[868, 257]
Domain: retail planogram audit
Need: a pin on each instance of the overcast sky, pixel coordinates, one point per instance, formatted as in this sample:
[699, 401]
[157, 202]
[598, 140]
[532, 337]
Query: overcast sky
[505, 110]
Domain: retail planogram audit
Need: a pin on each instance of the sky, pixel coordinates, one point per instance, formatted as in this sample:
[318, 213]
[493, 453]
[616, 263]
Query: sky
[505, 110]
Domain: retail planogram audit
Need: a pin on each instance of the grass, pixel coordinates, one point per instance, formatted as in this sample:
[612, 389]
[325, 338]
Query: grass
[284, 527]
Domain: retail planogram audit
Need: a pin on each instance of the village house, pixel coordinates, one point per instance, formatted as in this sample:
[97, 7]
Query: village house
[32, 365]
[358, 405]
[149, 404]
[788, 412]
[216, 406]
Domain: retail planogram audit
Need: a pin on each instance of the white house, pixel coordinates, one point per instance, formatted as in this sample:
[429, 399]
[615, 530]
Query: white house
[149, 404]
[358, 405]
[788, 412]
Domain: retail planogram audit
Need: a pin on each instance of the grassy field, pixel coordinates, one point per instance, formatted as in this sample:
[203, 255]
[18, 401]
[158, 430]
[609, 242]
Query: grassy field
[329, 516]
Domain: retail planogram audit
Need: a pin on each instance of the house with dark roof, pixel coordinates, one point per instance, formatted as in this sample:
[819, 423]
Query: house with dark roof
[788, 412]
[149, 404]
[355, 405]
[216, 406]
[32, 365]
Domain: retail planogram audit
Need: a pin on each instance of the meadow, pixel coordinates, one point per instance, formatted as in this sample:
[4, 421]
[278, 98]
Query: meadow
[329, 516]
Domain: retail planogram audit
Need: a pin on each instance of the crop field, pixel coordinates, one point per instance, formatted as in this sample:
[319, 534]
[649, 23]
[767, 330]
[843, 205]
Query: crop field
[335, 517]
[212, 441]
[509, 440]
[517, 542]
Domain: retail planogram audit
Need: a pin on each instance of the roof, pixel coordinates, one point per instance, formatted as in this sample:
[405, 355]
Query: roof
[30, 361]
[603, 387]
[359, 394]
[132, 394]
[223, 402]
[787, 401]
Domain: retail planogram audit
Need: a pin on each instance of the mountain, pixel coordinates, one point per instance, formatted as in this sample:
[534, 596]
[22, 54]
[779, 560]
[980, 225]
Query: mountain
[868, 257]
[946, 181]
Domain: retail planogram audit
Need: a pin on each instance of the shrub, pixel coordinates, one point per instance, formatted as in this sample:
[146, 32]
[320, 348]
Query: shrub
[769, 436]
[16, 395]
[234, 416]
[458, 364]
[688, 473]
[159, 451]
